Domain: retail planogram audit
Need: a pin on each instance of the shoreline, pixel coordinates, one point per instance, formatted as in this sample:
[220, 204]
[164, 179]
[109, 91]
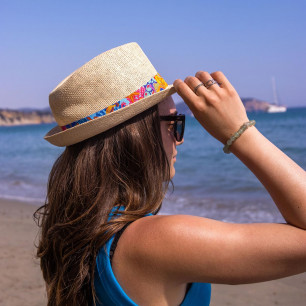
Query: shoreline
[22, 283]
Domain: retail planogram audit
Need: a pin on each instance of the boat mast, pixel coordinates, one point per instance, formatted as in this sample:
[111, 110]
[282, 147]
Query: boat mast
[274, 91]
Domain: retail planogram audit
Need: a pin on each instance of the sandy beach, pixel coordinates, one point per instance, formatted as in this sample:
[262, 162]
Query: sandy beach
[21, 281]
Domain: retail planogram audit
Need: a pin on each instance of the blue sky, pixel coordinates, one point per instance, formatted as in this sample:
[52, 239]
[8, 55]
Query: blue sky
[250, 41]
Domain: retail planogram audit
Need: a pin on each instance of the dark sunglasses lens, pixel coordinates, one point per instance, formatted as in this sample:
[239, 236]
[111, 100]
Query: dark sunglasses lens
[179, 130]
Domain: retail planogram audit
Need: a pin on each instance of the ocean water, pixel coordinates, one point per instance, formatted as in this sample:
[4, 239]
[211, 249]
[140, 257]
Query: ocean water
[207, 183]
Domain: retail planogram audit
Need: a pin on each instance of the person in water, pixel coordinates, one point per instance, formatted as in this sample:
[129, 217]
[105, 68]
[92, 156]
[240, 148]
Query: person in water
[102, 241]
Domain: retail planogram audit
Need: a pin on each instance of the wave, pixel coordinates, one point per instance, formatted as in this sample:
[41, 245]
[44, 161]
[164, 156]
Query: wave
[34, 201]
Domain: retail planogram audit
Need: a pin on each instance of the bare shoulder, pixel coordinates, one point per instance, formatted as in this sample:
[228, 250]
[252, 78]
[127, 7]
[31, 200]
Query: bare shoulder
[195, 249]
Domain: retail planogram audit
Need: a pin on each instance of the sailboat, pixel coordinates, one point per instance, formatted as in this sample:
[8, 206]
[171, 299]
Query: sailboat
[276, 107]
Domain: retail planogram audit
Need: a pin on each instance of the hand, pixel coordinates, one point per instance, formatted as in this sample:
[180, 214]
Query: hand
[218, 108]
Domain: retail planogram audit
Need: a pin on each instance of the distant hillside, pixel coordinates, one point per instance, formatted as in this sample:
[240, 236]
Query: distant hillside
[26, 116]
[254, 105]
[33, 116]
[250, 104]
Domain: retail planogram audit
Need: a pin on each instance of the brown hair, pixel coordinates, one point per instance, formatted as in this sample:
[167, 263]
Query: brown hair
[127, 166]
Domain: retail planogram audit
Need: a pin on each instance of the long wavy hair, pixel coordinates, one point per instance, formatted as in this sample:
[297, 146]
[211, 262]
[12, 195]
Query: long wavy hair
[126, 166]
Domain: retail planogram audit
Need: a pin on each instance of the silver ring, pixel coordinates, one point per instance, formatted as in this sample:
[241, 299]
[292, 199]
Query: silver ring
[196, 88]
[210, 83]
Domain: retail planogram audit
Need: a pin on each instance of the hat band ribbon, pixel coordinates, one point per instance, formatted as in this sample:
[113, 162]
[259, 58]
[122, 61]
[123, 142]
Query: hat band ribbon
[156, 84]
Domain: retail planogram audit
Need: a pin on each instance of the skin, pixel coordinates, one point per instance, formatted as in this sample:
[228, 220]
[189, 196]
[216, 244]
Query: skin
[158, 256]
[166, 108]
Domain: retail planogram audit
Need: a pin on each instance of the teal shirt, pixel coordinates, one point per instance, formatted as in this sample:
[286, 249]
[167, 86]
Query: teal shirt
[110, 293]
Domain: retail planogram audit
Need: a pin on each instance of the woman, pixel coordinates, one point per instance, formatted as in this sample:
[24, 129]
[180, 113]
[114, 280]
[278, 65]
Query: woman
[102, 241]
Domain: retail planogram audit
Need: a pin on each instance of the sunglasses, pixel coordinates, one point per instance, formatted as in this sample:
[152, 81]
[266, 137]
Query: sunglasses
[178, 125]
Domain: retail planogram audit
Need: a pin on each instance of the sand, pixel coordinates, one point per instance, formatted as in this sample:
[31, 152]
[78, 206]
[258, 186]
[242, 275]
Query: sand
[21, 281]
[20, 278]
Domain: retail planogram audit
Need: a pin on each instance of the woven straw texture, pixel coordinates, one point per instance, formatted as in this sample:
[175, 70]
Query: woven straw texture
[106, 79]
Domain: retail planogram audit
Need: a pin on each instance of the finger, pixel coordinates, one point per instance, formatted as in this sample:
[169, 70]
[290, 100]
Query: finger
[221, 78]
[184, 90]
[205, 77]
[193, 83]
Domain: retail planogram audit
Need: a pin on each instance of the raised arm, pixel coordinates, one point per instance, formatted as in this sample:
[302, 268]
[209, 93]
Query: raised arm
[181, 249]
[221, 112]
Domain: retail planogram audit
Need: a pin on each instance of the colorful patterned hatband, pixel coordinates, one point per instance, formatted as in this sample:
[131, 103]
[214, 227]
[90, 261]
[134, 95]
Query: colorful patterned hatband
[156, 84]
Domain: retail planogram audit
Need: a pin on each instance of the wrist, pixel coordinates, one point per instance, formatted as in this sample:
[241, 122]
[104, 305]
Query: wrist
[246, 141]
[236, 135]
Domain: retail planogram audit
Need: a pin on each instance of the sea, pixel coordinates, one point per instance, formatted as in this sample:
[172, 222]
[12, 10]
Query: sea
[207, 183]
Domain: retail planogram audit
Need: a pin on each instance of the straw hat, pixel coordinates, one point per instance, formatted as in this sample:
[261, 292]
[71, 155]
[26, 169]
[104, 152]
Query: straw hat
[108, 90]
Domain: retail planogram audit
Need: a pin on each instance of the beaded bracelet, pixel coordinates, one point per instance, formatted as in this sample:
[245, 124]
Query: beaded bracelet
[237, 135]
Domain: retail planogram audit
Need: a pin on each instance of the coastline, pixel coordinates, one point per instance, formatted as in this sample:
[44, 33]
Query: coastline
[22, 283]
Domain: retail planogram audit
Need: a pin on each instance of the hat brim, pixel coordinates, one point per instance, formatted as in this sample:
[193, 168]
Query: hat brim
[94, 127]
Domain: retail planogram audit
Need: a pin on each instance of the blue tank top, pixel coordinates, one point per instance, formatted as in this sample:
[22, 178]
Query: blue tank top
[110, 293]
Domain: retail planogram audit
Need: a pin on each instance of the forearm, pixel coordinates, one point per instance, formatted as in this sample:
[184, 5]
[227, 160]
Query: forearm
[280, 175]
[220, 111]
